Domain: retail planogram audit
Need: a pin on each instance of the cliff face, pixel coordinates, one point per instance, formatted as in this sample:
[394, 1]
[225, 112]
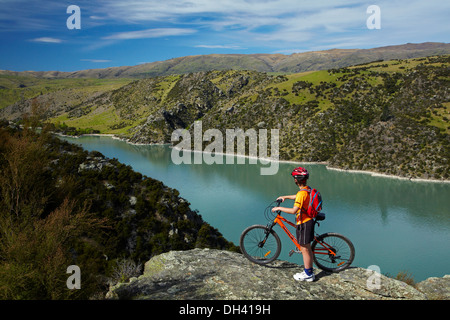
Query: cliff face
[222, 275]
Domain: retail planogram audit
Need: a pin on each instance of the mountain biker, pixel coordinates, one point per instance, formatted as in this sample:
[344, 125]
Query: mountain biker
[305, 224]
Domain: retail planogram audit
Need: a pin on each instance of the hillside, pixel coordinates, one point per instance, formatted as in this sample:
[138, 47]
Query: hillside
[61, 206]
[220, 275]
[389, 117]
[294, 63]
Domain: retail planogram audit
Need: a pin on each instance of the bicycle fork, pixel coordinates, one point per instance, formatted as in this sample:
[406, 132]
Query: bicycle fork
[263, 242]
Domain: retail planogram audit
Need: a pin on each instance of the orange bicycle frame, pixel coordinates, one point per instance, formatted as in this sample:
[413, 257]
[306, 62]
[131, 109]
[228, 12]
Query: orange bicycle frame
[326, 249]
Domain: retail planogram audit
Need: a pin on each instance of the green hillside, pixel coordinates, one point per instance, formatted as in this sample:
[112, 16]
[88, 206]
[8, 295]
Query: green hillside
[388, 116]
[20, 88]
[61, 205]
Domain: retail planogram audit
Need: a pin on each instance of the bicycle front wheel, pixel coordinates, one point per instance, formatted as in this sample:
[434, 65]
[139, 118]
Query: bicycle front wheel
[260, 245]
[332, 252]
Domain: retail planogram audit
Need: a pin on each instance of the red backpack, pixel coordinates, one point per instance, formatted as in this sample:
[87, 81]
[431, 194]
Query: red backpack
[315, 202]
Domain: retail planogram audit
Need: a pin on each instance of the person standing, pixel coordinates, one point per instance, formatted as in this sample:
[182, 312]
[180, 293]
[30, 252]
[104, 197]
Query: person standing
[305, 224]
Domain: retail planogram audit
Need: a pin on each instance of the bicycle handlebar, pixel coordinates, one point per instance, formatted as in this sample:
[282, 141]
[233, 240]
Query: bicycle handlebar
[278, 201]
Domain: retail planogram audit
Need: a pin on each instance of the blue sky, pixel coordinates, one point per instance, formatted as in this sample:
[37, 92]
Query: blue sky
[34, 34]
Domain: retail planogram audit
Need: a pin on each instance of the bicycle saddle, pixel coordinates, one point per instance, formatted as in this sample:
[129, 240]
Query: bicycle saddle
[320, 216]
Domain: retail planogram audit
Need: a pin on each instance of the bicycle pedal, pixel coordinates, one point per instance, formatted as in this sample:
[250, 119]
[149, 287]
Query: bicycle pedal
[293, 251]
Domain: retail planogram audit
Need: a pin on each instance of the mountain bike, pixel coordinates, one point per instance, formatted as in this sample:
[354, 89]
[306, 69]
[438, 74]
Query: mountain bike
[260, 244]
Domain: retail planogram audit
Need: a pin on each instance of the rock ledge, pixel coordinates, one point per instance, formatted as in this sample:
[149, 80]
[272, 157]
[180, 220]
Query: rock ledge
[203, 274]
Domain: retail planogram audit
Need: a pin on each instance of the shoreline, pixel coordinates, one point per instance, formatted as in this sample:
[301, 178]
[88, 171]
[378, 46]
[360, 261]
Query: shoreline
[385, 175]
[267, 160]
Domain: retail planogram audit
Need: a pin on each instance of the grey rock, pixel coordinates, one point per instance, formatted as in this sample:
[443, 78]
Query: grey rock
[133, 200]
[96, 164]
[436, 288]
[223, 275]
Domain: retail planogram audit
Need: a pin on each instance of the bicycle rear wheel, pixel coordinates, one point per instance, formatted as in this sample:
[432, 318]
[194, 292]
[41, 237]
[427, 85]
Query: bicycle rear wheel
[332, 252]
[259, 244]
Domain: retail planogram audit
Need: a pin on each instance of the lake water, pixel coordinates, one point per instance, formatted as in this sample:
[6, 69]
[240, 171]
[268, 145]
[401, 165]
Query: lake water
[397, 225]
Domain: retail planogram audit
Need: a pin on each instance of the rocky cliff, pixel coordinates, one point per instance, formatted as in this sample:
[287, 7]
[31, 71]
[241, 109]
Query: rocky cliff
[209, 274]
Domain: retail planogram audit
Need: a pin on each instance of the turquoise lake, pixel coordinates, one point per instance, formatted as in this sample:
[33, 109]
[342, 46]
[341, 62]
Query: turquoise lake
[397, 225]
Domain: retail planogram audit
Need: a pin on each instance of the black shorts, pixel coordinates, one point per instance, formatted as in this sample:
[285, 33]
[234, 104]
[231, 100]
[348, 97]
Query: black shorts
[305, 232]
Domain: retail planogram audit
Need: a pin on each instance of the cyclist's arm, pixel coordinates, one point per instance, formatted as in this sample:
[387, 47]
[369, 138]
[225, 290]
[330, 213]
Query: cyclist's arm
[292, 210]
[287, 197]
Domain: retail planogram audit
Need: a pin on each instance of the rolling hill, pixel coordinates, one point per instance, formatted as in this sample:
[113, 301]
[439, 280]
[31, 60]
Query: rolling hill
[294, 63]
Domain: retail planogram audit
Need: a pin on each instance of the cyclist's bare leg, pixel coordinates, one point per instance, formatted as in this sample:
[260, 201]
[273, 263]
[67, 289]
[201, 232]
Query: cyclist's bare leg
[307, 256]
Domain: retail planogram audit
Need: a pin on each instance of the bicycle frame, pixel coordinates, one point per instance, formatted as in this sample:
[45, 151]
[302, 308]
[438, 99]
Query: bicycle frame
[327, 249]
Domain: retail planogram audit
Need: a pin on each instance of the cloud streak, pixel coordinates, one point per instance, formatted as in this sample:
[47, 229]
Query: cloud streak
[245, 23]
[47, 40]
[267, 22]
[150, 33]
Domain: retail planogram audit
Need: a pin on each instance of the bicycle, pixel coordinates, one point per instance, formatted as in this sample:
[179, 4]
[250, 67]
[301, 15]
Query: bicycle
[260, 244]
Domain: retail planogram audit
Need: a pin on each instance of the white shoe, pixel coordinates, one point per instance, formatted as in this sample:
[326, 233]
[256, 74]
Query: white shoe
[304, 277]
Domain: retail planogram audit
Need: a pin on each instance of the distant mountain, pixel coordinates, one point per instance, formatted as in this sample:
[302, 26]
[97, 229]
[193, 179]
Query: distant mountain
[294, 63]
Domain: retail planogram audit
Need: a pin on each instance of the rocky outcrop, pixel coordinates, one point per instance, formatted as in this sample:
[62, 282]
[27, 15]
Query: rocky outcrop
[223, 275]
[436, 288]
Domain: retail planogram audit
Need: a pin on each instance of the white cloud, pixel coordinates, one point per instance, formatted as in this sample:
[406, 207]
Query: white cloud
[225, 12]
[150, 33]
[142, 10]
[291, 22]
[47, 40]
[276, 24]
[97, 18]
